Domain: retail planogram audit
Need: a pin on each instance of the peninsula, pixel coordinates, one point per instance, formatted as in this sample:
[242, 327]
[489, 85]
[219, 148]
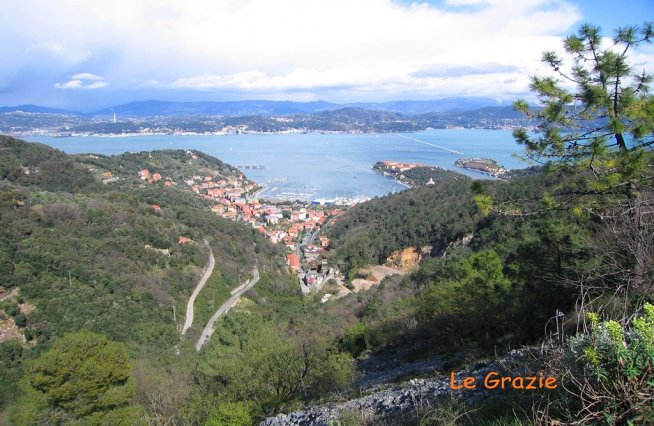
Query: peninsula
[482, 165]
[415, 174]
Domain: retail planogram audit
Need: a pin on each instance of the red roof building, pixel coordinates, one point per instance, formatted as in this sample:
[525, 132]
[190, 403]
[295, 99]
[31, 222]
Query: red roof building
[293, 262]
[216, 192]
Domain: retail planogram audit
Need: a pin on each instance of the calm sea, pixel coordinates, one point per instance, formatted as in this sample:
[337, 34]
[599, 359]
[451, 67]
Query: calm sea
[310, 166]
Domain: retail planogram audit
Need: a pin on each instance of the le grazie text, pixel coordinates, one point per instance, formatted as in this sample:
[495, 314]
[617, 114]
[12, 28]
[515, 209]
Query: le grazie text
[495, 380]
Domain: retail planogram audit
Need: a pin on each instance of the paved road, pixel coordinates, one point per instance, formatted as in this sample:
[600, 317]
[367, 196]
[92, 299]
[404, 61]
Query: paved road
[207, 273]
[208, 330]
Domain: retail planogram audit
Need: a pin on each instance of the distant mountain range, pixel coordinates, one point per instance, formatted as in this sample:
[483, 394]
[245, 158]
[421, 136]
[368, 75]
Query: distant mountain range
[153, 108]
[167, 119]
[36, 109]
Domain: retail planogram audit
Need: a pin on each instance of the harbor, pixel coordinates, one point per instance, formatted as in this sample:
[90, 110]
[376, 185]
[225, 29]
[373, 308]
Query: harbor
[310, 167]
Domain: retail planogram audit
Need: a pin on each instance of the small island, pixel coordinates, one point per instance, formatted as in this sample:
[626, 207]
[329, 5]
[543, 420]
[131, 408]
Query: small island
[482, 165]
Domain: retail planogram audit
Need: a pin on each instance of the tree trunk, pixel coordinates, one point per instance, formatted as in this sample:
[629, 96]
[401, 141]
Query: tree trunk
[620, 141]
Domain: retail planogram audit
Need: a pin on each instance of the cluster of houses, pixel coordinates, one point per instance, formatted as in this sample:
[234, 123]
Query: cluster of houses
[149, 177]
[399, 167]
[284, 224]
[287, 224]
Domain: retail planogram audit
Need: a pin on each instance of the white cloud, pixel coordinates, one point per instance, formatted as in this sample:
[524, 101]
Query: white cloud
[344, 47]
[83, 80]
[87, 76]
[466, 2]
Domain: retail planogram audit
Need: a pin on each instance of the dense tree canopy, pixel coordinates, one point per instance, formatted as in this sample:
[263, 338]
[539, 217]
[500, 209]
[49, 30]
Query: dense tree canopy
[83, 377]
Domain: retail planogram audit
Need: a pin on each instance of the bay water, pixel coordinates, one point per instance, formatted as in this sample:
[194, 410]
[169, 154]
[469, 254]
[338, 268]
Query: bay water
[313, 165]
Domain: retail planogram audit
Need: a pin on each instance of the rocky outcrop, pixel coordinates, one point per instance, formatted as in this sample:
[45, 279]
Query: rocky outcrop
[442, 249]
[407, 258]
[416, 394]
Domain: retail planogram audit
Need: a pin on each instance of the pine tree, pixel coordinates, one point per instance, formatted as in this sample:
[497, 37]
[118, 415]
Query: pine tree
[596, 119]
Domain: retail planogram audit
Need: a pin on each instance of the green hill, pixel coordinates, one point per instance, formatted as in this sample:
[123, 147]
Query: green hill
[94, 284]
[79, 254]
[451, 300]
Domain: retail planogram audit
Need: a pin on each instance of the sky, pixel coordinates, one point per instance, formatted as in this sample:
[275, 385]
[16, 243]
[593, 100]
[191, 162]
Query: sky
[85, 55]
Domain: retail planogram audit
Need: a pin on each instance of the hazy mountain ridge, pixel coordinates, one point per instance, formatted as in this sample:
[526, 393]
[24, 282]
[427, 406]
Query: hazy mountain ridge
[348, 119]
[150, 108]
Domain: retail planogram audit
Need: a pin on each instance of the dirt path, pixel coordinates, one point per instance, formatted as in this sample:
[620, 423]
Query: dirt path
[379, 272]
[208, 330]
[207, 273]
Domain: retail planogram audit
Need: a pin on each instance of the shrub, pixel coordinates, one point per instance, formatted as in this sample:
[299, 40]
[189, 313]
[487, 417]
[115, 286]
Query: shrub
[611, 371]
[20, 320]
[11, 309]
[230, 414]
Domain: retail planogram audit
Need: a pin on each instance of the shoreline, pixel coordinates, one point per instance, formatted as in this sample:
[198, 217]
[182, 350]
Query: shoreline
[64, 135]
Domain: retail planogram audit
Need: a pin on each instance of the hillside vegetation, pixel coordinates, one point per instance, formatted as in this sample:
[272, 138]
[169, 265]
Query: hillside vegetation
[78, 255]
[559, 258]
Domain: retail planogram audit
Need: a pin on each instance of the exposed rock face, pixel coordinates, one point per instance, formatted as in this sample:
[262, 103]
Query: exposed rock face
[402, 399]
[442, 250]
[407, 258]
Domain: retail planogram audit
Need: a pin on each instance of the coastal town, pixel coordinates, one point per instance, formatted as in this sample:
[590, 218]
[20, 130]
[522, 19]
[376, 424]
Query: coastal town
[229, 193]
[35, 121]
[295, 225]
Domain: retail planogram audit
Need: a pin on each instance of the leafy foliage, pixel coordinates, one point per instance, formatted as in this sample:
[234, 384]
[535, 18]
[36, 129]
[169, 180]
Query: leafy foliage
[83, 377]
[422, 175]
[274, 368]
[42, 166]
[229, 414]
[608, 370]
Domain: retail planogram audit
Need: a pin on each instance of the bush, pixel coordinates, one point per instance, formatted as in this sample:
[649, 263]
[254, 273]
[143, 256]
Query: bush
[11, 309]
[609, 371]
[230, 414]
[83, 378]
[20, 320]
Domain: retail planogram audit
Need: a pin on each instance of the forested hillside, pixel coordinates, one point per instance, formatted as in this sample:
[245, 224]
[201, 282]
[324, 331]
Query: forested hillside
[434, 214]
[495, 288]
[560, 256]
[79, 254]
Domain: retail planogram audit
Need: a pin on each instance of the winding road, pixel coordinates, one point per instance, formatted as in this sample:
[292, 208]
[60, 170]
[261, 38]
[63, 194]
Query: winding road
[207, 273]
[208, 330]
